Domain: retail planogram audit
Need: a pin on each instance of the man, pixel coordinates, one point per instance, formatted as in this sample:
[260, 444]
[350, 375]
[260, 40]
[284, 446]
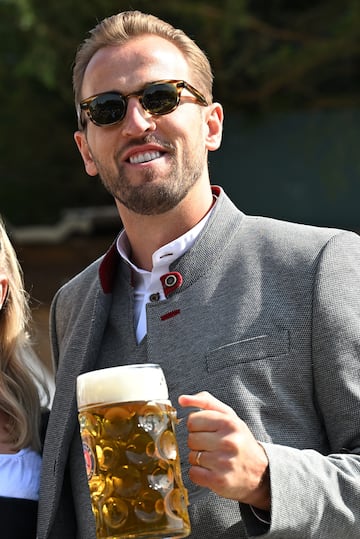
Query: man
[254, 321]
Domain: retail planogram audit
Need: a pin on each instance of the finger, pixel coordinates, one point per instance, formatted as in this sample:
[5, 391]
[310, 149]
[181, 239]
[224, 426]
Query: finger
[205, 401]
[206, 421]
[198, 458]
[183, 413]
[202, 441]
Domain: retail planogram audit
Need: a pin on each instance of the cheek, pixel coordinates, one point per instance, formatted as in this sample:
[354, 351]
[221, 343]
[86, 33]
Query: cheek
[191, 135]
[195, 138]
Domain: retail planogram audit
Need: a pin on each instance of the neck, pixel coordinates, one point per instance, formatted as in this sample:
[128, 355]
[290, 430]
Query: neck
[147, 233]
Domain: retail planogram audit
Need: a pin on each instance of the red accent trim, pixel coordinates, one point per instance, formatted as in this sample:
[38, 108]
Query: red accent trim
[171, 314]
[216, 190]
[177, 282]
[107, 268]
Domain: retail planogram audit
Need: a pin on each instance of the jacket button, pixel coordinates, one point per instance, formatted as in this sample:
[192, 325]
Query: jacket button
[170, 280]
[154, 297]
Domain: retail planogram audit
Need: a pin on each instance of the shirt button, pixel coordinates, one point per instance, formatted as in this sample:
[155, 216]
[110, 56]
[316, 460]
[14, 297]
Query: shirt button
[154, 297]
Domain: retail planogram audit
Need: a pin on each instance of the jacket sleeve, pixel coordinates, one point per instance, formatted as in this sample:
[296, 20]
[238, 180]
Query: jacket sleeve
[315, 495]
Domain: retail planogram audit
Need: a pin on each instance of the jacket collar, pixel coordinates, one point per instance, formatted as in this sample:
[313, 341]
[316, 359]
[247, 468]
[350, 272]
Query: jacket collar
[225, 214]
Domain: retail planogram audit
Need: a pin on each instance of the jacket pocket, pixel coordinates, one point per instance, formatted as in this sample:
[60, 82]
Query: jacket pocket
[271, 345]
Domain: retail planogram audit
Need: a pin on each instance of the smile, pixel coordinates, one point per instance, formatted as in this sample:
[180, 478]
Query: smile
[144, 157]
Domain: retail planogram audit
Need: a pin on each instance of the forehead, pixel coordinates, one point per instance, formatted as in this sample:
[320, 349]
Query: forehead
[127, 67]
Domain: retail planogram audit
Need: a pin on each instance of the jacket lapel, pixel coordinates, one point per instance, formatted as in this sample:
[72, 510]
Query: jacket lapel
[79, 353]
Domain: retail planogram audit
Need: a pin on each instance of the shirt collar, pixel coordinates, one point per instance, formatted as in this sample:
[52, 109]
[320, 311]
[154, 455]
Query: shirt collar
[166, 254]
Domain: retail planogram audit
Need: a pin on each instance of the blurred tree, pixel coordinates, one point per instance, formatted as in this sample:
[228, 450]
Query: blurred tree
[278, 55]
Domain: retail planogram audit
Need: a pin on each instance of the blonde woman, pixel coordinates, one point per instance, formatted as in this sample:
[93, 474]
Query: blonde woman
[20, 408]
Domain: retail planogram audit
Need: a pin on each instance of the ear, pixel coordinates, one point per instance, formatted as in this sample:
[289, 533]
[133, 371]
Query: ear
[214, 122]
[4, 283]
[83, 147]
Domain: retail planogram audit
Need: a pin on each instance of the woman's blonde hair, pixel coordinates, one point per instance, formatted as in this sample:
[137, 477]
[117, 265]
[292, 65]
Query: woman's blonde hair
[19, 386]
[120, 28]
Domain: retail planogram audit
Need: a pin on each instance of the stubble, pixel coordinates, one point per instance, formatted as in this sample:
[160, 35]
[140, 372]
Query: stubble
[155, 195]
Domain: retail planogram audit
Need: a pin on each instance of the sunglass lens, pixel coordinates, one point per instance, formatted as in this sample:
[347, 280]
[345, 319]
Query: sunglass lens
[107, 109]
[160, 98]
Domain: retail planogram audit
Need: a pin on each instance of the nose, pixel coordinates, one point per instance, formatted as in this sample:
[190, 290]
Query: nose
[137, 121]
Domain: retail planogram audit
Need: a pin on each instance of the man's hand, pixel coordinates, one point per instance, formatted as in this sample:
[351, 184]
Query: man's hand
[231, 462]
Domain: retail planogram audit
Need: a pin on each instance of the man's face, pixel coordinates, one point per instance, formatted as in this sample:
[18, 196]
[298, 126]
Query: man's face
[148, 163]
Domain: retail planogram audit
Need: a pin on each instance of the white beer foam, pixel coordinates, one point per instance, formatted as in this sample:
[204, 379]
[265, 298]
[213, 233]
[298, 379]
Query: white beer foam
[126, 383]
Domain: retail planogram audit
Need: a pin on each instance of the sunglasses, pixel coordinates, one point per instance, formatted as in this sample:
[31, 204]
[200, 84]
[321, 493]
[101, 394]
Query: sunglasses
[157, 98]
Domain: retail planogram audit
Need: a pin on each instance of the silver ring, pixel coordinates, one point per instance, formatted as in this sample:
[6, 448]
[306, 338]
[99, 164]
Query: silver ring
[197, 458]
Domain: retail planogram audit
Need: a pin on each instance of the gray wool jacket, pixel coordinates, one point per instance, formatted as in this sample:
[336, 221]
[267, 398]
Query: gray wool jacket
[265, 315]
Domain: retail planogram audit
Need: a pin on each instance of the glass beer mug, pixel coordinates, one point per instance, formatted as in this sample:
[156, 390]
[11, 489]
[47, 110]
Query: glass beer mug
[127, 427]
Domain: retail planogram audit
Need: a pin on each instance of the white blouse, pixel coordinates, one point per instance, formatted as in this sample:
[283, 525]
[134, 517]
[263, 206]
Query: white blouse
[20, 474]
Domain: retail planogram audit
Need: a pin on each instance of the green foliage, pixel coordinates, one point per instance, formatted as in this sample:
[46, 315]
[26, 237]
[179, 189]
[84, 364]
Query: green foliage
[278, 55]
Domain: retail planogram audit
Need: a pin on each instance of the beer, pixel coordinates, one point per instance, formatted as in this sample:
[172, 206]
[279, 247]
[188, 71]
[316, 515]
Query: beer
[127, 427]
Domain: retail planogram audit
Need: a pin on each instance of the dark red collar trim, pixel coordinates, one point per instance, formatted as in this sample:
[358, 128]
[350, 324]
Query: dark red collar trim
[216, 190]
[107, 269]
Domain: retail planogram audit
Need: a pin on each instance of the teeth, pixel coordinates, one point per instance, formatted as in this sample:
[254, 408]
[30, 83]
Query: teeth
[144, 157]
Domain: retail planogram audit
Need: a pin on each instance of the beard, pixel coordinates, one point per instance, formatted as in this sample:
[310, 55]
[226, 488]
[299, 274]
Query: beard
[155, 195]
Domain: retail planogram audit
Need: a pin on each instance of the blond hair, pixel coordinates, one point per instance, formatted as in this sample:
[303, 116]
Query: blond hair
[19, 394]
[120, 28]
